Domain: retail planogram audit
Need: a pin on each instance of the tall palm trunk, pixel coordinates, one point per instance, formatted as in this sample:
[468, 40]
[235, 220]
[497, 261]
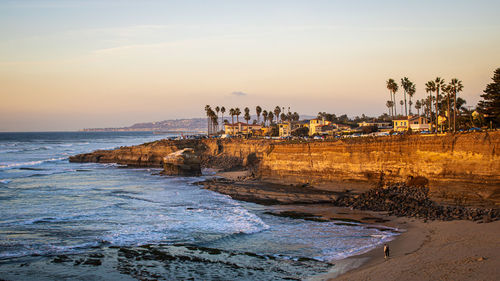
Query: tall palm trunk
[429, 106]
[391, 108]
[208, 125]
[232, 122]
[448, 109]
[406, 109]
[454, 111]
[437, 109]
[395, 108]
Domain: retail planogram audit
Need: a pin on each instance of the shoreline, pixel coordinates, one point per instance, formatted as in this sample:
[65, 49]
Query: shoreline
[455, 250]
[450, 250]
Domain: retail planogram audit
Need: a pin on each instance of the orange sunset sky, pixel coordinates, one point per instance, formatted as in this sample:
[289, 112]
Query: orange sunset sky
[67, 65]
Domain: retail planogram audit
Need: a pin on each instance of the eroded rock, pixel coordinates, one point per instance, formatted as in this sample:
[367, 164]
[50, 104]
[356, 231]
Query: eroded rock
[182, 163]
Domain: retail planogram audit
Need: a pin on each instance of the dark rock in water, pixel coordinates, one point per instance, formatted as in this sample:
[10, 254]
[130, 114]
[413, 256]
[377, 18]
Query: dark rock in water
[182, 163]
[297, 215]
[61, 259]
[96, 255]
[78, 262]
[94, 262]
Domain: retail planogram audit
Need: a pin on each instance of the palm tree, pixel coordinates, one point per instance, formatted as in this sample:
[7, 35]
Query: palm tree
[418, 105]
[222, 110]
[258, 110]
[438, 84]
[247, 116]
[214, 118]
[446, 89]
[411, 92]
[237, 112]
[217, 109]
[232, 112]
[264, 114]
[401, 103]
[392, 86]
[289, 116]
[430, 87]
[270, 117]
[390, 105]
[423, 107]
[406, 84]
[455, 87]
[283, 117]
[207, 111]
[277, 111]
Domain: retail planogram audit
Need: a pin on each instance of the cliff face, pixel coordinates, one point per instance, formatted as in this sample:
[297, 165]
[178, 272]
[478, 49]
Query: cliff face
[471, 157]
[460, 167]
[144, 155]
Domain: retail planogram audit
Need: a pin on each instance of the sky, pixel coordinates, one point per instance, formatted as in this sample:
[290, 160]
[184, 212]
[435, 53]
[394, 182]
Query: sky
[68, 65]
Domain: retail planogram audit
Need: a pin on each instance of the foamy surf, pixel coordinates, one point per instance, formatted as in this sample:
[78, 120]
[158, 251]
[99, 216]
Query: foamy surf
[30, 163]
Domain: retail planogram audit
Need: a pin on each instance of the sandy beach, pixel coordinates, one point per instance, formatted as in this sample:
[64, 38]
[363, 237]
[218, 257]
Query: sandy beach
[433, 250]
[457, 250]
[425, 249]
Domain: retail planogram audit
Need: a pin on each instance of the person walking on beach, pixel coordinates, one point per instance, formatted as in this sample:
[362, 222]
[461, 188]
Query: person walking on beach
[386, 251]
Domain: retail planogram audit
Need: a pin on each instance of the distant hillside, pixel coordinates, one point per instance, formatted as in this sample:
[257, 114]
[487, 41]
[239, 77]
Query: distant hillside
[177, 125]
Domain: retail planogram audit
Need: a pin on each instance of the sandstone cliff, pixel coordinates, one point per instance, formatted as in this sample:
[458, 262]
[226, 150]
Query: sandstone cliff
[462, 167]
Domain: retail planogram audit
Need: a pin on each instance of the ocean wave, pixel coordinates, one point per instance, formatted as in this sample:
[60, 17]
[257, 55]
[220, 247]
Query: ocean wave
[30, 163]
[5, 181]
[23, 250]
[27, 149]
[378, 239]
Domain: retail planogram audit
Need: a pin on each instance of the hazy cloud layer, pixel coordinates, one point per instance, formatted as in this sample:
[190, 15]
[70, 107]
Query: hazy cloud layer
[239, 94]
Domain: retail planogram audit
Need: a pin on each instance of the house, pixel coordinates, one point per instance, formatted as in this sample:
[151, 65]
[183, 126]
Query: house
[379, 125]
[240, 128]
[416, 123]
[262, 132]
[342, 127]
[314, 125]
[285, 129]
[326, 129]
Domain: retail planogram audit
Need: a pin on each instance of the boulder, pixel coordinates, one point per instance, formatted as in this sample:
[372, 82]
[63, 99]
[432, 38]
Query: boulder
[182, 163]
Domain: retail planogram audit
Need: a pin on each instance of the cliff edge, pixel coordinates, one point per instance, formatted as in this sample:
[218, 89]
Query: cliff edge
[459, 169]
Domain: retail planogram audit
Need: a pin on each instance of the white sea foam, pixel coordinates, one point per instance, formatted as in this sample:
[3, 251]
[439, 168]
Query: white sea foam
[30, 163]
[34, 249]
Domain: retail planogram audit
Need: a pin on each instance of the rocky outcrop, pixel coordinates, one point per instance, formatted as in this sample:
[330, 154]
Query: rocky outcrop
[182, 163]
[269, 194]
[144, 155]
[461, 167]
[411, 201]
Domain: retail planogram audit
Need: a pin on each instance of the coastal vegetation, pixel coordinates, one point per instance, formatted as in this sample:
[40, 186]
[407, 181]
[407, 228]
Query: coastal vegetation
[442, 108]
[268, 117]
[490, 105]
[445, 108]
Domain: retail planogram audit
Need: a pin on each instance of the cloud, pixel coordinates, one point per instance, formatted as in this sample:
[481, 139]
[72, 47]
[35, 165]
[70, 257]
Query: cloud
[239, 94]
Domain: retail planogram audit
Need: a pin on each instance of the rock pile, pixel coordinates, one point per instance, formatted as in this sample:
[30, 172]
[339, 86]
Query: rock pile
[410, 201]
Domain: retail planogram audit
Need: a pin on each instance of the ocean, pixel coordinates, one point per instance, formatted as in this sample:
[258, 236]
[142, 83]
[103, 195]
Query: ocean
[51, 207]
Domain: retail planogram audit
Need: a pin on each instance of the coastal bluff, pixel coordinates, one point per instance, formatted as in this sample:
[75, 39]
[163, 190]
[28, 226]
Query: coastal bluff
[460, 168]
